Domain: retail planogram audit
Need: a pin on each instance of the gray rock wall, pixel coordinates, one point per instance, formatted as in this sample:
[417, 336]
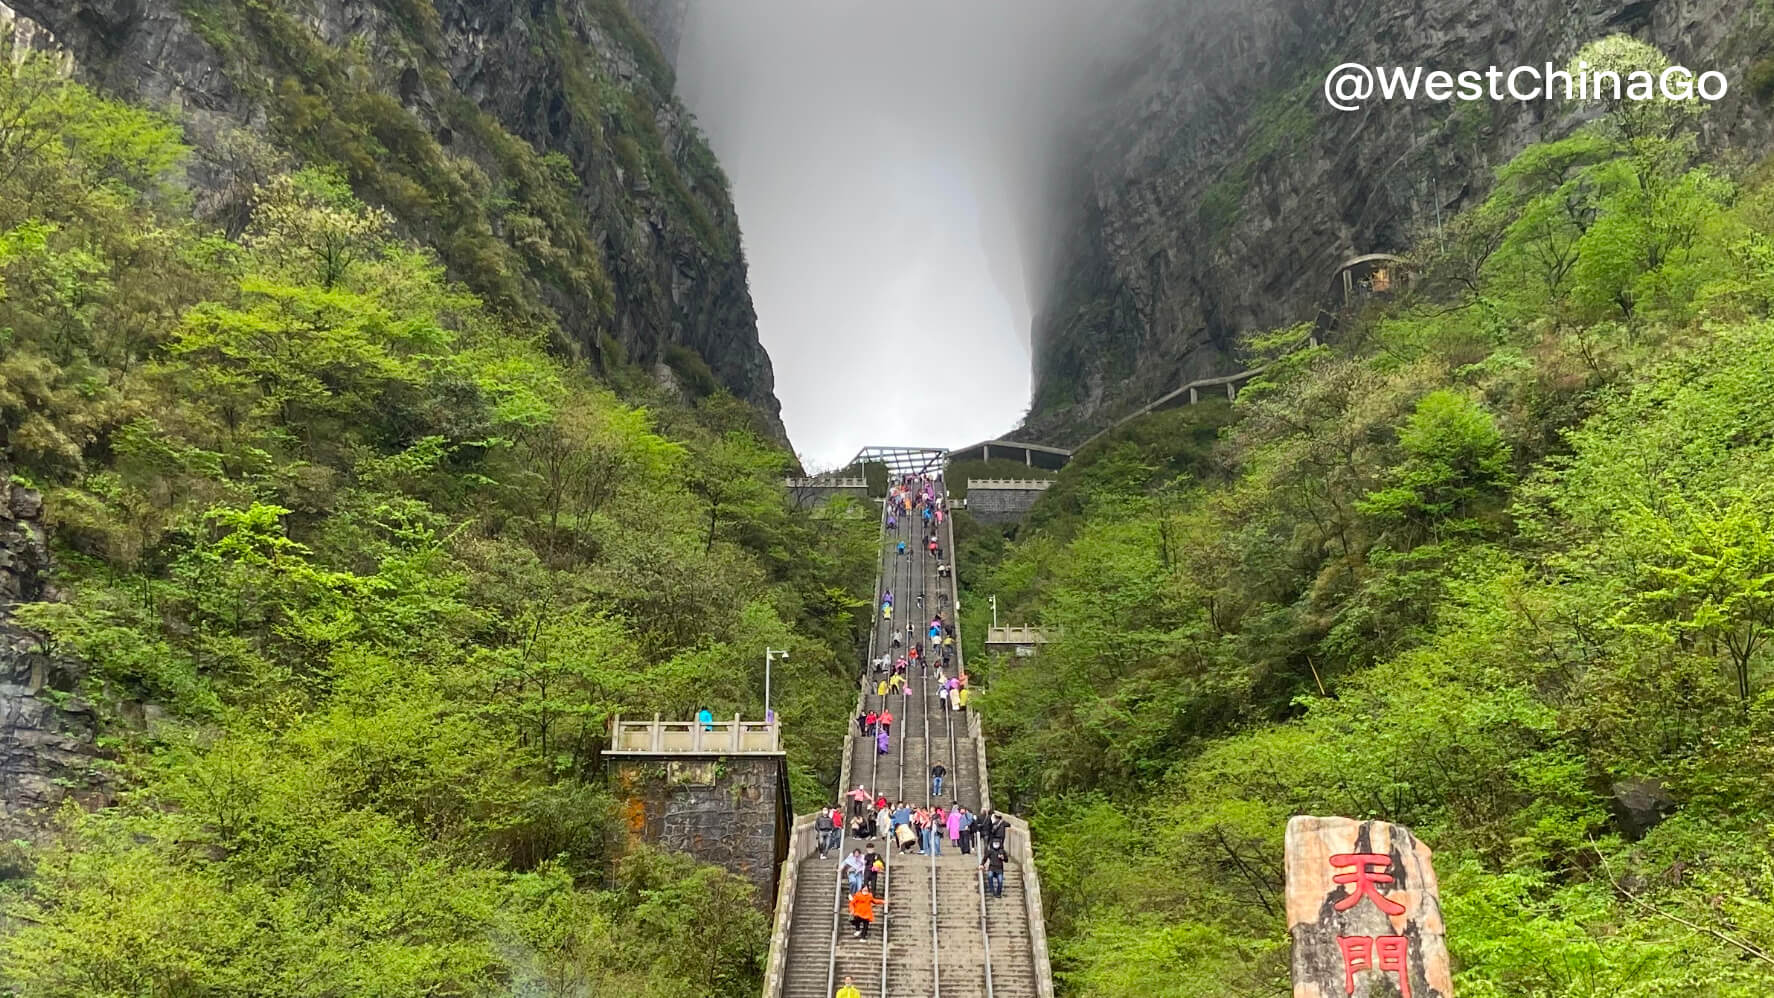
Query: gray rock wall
[574, 77]
[1001, 505]
[1209, 190]
[47, 733]
[664, 20]
[731, 811]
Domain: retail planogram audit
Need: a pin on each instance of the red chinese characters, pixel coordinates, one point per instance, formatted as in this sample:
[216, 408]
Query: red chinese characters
[1387, 954]
[1364, 879]
[1364, 911]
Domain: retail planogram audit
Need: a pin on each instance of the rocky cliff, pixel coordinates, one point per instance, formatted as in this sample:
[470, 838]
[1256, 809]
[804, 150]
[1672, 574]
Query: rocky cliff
[1209, 190]
[536, 145]
[48, 735]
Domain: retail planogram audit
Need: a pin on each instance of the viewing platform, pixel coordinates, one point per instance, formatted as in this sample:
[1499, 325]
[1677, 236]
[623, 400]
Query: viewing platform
[1018, 641]
[715, 790]
[1003, 500]
[724, 737]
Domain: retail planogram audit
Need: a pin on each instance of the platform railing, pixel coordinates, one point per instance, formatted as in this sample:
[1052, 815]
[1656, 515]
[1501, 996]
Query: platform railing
[724, 737]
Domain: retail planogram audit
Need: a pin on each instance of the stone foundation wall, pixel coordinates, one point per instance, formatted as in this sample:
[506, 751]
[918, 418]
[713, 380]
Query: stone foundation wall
[1001, 505]
[731, 811]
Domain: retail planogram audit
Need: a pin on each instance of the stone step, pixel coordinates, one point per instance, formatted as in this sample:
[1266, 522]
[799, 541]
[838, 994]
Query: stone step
[931, 901]
[809, 949]
[964, 950]
[908, 928]
[1007, 923]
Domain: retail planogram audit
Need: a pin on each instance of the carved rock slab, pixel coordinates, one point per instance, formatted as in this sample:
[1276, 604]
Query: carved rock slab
[1364, 911]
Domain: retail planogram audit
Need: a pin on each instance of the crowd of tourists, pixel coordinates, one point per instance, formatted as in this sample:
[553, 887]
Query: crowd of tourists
[884, 826]
[912, 830]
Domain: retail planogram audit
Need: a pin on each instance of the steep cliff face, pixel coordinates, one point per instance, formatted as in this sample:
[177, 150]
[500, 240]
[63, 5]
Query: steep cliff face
[536, 145]
[48, 736]
[1210, 190]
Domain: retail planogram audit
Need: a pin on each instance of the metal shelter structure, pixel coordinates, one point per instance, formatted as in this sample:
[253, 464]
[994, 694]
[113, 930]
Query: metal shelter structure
[903, 461]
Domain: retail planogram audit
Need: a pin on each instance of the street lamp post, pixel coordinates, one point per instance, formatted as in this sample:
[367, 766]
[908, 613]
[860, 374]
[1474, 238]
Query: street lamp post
[770, 655]
[994, 613]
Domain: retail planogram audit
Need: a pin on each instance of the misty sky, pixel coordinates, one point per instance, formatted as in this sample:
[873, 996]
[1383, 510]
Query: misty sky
[886, 160]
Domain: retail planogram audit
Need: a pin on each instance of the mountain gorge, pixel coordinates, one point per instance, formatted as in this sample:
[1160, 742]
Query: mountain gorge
[537, 146]
[381, 411]
[1205, 189]
[383, 414]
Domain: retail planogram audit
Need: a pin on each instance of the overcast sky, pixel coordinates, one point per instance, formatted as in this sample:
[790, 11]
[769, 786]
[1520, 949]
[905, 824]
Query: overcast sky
[885, 157]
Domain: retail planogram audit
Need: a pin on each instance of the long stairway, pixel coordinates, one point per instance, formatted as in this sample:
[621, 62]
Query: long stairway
[1007, 925]
[939, 934]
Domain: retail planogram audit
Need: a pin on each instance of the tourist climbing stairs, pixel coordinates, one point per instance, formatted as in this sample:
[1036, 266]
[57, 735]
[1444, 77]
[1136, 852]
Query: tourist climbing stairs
[939, 934]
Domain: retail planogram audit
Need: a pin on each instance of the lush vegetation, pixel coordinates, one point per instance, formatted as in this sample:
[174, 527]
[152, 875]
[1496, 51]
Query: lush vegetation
[1498, 565]
[371, 568]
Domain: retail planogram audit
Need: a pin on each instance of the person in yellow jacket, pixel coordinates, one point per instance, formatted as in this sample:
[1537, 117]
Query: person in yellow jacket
[848, 990]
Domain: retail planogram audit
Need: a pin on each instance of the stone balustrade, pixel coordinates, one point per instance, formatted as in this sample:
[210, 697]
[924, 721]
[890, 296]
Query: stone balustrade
[1025, 635]
[723, 737]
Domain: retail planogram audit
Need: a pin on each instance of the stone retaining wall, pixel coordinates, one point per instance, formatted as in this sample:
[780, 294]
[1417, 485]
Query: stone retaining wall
[732, 811]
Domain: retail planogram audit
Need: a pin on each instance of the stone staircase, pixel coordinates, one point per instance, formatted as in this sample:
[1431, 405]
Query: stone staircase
[809, 951]
[909, 969]
[957, 926]
[1007, 926]
[942, 938]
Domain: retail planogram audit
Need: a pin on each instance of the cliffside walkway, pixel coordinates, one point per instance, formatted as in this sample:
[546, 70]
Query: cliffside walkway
[940, 935]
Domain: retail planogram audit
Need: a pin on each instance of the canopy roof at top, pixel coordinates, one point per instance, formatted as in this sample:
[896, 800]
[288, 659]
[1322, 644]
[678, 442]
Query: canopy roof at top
[903, 461]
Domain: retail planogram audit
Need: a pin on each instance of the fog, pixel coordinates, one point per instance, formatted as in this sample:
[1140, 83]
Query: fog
[889, 162]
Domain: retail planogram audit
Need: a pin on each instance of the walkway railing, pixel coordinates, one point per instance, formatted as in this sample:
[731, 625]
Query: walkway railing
[803, 842]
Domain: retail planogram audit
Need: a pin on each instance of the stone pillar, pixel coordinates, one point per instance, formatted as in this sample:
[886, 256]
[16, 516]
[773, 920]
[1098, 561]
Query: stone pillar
[1364, 911]
[1194, 395]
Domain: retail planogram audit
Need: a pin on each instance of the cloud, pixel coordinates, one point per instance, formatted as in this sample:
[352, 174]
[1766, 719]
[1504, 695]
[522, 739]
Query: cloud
[889, 161]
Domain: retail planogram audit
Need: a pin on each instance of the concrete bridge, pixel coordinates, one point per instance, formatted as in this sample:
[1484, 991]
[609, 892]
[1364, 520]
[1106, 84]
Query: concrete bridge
[1030, 455]
[940, 934]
